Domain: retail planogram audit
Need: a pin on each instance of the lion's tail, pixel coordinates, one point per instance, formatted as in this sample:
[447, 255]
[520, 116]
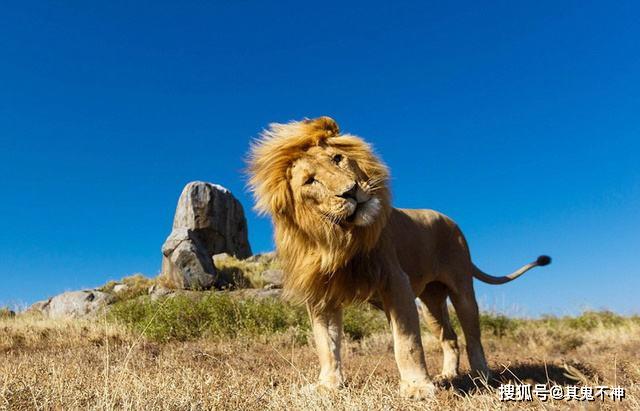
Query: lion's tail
[489, 279]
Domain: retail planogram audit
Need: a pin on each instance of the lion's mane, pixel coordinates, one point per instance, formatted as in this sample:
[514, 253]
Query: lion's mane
[323, 263]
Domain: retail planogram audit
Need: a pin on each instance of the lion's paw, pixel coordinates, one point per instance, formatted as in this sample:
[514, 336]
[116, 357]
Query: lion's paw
[448, 375]
[325, 386]
[417, 390]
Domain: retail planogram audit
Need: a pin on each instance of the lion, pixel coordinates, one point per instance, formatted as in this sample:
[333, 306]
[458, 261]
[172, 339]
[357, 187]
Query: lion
[340, 241]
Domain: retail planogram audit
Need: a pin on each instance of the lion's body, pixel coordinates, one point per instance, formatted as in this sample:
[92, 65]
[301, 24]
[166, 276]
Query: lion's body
[340, 241]
[430, 247]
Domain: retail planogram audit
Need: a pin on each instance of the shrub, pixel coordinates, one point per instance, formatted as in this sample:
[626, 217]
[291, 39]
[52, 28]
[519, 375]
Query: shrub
[588, 320]
[362, 320]
[137, 285]
[216, 314]
[245, 273]
[6, 313]
[497, 324]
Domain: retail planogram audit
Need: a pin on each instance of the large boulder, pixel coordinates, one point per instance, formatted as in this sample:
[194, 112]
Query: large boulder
[74, 304]
[208, 220]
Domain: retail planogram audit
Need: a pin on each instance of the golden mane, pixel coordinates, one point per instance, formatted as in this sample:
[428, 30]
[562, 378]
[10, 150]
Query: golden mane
[323, 263]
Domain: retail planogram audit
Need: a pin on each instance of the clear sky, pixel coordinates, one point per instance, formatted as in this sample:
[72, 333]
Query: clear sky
[520, 120]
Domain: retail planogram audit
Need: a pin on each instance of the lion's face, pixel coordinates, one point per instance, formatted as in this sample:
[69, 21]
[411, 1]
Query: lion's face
[327, 194]
[327, 182]
[317, 183]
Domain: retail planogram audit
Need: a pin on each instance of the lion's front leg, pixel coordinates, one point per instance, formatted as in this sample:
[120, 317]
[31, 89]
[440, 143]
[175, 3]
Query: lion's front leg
[327, 331]
[400, 306]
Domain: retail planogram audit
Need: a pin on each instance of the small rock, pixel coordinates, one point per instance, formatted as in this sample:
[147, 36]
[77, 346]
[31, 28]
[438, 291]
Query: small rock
[157, 291]
[272, 278]
[120, 287]
[74, 304]
[220, 257]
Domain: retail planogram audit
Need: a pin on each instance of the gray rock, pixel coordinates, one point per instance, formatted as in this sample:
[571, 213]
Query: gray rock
[209, 220]
[157, 291]
[272, 278]
[38, 307]
[74, 304]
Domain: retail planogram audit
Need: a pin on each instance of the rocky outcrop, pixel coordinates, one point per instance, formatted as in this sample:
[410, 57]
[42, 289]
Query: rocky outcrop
[74, 304]
[208, 220]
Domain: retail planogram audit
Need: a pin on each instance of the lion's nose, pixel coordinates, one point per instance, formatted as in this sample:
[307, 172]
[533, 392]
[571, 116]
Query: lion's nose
[350, 193]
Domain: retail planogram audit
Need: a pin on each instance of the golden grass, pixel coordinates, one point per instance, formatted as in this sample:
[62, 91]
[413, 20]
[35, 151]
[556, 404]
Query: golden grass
[136, 285]
[46, 364]
[245, 273]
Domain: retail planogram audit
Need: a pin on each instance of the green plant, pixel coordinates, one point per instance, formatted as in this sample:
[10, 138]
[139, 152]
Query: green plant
[362, 320]
[216, 314]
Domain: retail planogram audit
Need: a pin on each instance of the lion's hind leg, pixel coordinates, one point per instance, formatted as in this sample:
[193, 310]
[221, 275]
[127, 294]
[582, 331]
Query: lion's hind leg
[436, 314]
[464, 301]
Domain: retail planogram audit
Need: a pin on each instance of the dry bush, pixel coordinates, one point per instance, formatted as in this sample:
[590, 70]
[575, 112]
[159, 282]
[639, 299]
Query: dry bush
[6, 313]
[245, 273]
[137, 285]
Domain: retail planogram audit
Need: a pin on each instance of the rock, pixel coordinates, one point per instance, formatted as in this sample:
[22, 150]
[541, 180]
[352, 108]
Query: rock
[220, 257]
[272, 278]
[120, 287]
[209, 220]
[157, 291]
[74, 304]
[38, 307]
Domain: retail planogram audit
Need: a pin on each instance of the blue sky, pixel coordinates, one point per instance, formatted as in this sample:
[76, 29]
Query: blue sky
[520, 120]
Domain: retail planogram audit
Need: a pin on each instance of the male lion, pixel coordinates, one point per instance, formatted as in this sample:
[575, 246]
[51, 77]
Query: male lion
[340, 241]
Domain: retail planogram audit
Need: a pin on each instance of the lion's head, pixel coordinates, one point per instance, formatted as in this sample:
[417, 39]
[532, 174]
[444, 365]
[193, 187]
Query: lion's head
[328, 197]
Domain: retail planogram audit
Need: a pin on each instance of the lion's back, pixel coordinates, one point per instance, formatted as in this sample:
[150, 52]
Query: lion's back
[420, 237]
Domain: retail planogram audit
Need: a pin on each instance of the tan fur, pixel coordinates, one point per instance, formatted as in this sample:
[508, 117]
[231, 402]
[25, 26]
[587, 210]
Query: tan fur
[340, 241]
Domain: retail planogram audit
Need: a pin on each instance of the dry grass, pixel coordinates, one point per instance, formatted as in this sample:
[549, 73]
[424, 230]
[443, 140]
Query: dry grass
[136, 285]
[47, 364]
[245, 273]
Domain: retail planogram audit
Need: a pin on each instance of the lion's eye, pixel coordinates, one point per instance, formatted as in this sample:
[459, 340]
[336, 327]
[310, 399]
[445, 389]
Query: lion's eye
[309, 180]
[337, 158]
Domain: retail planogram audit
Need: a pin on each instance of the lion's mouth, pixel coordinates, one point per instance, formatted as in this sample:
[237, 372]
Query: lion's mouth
[364, 213]
[351, 217]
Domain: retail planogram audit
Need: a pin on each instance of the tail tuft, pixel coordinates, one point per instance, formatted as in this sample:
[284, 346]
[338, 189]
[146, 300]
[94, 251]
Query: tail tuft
[543, 260]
